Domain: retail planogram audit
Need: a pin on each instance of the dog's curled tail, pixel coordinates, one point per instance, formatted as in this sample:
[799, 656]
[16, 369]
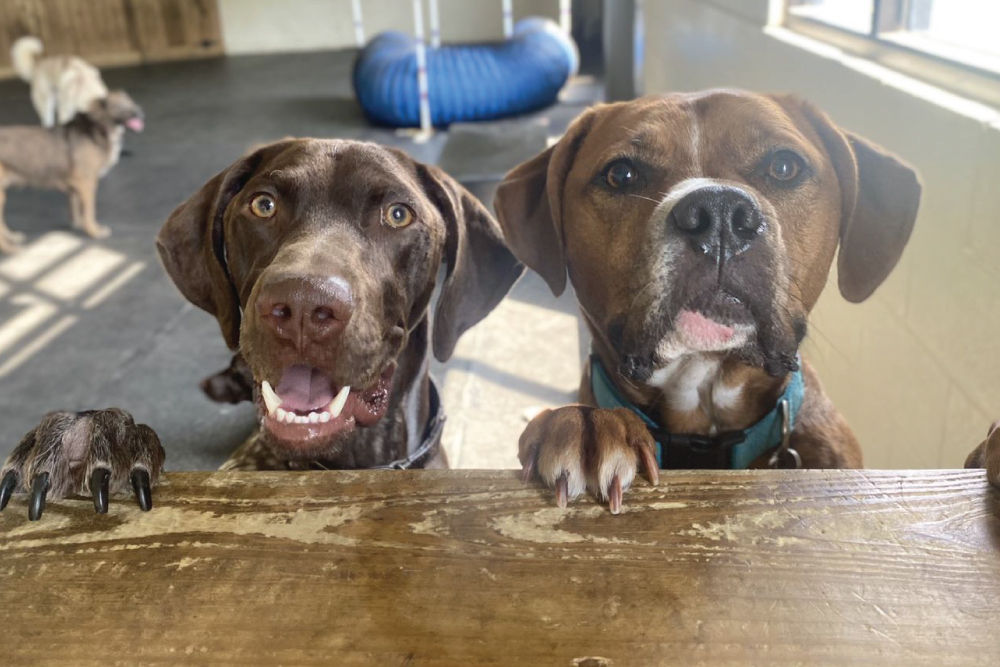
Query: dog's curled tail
[23, 54]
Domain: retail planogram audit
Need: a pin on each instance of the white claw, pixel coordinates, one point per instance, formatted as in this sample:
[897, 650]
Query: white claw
[337, 404]
[271, 398]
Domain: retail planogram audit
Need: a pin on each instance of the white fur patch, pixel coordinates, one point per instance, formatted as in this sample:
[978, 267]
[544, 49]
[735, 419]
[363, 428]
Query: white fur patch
[681, 190]
[695, 141]
[694, 381]
[725, 397]
[685, 379]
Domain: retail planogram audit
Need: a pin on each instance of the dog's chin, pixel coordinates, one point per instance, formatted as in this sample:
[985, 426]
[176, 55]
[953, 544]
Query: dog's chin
[714, 322]
[304, 415]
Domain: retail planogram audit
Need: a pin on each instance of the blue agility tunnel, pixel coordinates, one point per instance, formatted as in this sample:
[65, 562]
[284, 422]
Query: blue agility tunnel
[466, 82]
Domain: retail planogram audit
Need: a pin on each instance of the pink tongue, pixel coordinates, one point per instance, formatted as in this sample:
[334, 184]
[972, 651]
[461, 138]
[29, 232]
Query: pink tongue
[701, 331]
[304, 388]
[135, 124]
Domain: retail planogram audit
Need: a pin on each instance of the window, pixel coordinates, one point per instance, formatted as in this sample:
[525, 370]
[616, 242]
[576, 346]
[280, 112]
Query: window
[952, 43]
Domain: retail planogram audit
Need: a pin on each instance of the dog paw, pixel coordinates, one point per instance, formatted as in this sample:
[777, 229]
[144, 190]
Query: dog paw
[230, 385]
[99, 232]
[96, 452]
[11, 243]
[577, 448]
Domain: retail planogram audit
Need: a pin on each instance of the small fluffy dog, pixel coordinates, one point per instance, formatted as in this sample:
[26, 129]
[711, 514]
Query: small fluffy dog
[61, 86]
[71, 158]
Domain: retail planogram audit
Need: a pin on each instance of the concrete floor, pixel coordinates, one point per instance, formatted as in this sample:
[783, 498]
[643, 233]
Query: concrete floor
[87, 324]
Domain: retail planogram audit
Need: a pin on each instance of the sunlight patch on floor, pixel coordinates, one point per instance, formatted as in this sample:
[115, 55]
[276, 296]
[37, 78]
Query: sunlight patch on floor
[522, 357]
[44, 285]
[39, 255]
[79, 273]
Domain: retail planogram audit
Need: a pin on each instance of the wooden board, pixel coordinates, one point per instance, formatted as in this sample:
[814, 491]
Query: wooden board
[468, 567]
[113, 32]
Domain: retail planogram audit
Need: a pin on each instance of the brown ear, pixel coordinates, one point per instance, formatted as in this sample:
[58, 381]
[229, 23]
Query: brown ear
[480, 268]
[880, 198]
[529, 205]
[192, 246]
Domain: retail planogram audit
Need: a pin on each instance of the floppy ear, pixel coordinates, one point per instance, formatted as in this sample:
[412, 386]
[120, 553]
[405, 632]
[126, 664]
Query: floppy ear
[529, 205]
[480, 268]
[192, 247]
[880, 197]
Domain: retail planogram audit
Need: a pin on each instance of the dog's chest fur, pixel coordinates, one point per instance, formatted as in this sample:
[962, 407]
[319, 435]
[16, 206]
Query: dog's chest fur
[116, 137]
[697, 395]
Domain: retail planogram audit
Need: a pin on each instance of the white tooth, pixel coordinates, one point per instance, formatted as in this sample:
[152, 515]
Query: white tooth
[289, 417]
[301, 419]
[271, 399]
[337, 404]
[313, 417]
[279, 414]
[324, 417]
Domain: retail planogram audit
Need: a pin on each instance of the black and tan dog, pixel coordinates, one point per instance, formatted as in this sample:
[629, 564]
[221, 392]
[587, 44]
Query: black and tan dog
[698, 231]
[71, 158]
[318, 259]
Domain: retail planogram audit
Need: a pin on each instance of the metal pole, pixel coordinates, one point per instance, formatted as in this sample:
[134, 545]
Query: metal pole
[566, 16]
[508, 19]
[418, 30]
[359, 28]
[435, 25]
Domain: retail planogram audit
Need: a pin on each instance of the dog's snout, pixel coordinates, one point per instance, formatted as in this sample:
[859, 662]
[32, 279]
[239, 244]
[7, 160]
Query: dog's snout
[718, 221]
[306, 311]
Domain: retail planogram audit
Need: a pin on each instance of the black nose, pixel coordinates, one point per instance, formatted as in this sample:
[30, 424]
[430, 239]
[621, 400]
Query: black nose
[718, 221]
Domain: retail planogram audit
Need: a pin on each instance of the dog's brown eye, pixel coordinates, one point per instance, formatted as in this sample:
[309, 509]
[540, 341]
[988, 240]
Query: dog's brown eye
[397, 215]
[620, 174]
[263, 206]
[784, 166]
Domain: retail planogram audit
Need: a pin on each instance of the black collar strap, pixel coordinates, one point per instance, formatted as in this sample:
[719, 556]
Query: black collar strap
[431, 439]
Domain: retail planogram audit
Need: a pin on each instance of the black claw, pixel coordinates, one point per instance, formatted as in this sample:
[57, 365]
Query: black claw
[39, 487]
[7, 487]
[99, 480]
[140, 484]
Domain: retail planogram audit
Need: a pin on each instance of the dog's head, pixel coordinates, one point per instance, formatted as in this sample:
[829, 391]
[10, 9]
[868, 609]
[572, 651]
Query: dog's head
[117, 109]
[707, 223]
[319, 258]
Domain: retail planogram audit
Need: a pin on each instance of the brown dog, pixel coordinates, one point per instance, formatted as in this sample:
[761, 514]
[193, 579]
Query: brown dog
[698, 230]
[71, 158]
[318, 259]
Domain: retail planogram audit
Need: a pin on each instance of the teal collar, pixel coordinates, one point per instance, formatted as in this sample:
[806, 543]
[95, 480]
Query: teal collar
[735, 450]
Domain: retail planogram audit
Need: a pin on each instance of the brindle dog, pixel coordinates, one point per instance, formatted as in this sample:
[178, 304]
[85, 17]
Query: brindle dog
[698, 231]
[318, 258]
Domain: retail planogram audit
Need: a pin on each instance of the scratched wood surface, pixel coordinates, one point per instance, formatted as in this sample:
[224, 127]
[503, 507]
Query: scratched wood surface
[468, 567]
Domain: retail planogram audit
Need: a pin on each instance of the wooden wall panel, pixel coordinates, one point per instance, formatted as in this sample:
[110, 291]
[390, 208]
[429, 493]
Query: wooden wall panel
[113, 32]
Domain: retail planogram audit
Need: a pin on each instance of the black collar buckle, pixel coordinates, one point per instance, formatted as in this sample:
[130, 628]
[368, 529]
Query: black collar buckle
[689, 450]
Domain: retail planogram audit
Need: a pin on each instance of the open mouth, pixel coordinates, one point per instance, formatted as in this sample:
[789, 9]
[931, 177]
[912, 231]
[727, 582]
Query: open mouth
[713, 321]
[305, 407]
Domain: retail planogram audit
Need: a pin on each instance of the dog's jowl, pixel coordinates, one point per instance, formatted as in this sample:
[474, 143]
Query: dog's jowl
[318, 258]
[698, 231]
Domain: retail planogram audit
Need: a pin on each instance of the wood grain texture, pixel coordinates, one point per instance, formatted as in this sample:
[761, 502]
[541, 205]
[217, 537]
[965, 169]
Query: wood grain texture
[113, 32]
[468, 567]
